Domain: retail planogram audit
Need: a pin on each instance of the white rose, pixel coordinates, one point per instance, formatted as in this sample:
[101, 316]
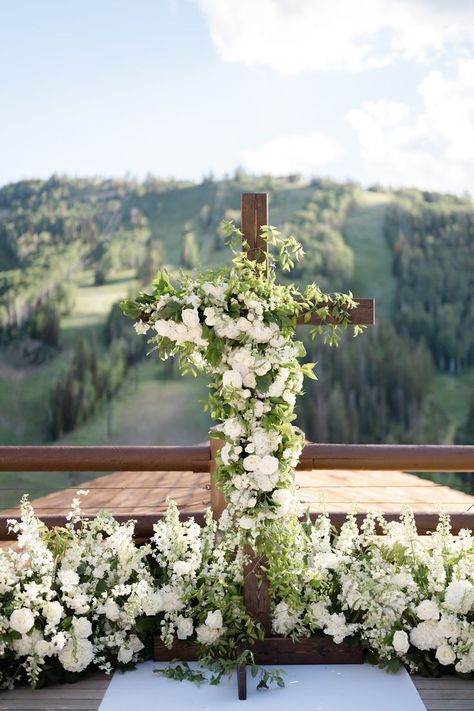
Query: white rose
[258, 408]
[185, 627]
[214, 619]
[400, 642]
[232, 379]
[42, 648]
[182, 567]
[233, 428]
[22, 620]
[150, 603]
[246, 522]
[82, 627]
[251, 462]
[285, 500]
[53, 612]
[250, 380]
[427, 610]
[190, 317]
[445, 655]
[268, 464]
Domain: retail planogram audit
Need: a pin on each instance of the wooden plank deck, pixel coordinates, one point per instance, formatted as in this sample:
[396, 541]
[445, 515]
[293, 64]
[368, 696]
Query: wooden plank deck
[321, 490]
[445, 694]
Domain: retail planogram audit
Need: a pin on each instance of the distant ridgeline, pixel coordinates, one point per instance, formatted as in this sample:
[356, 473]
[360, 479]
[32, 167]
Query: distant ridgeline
[410, 379]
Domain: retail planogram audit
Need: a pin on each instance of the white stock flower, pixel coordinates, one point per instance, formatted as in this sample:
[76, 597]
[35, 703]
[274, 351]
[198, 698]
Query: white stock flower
[22, 620]
[182, 567]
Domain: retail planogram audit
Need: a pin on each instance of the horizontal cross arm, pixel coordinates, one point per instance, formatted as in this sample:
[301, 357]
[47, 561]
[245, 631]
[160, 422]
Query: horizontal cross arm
[362, 315]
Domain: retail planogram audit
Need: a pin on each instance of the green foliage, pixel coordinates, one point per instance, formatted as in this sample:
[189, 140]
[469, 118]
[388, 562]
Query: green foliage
[432, 240]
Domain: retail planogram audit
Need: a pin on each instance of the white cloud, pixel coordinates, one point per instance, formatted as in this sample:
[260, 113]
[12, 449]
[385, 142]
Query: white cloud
[433, 148]
[291, 154]
[293, 36]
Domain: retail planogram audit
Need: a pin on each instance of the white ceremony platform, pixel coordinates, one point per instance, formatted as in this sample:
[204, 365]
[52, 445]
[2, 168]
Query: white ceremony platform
[307, 688]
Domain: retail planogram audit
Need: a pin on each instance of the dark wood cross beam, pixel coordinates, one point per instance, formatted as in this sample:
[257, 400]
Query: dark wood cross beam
[254, 215]
[272, 649]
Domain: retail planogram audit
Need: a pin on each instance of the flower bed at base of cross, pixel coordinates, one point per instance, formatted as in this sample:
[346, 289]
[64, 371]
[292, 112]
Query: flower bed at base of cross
[85, 596]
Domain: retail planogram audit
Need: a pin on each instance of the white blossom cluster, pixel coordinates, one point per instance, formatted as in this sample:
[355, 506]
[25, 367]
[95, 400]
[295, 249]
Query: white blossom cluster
[408, 598]
[71, 598]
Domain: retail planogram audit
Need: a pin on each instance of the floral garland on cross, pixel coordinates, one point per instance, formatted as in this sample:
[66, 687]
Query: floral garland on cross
[237, 325]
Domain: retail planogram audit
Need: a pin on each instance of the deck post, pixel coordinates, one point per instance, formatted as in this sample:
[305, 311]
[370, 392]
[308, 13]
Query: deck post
[218, 503]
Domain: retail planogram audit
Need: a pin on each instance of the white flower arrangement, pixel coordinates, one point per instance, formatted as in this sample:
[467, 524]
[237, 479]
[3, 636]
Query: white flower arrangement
[86, 595]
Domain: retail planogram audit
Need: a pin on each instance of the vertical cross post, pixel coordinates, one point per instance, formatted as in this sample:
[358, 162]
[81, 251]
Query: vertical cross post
[254, 214]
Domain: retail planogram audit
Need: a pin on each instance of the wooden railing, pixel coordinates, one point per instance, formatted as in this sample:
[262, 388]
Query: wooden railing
[412, 458]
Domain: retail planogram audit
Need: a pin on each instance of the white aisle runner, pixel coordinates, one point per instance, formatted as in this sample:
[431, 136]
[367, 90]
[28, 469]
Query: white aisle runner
[307, 688]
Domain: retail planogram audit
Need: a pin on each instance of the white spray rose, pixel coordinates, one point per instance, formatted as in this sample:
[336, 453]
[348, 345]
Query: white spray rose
[190, 317]
[400, 642]
[445, 655]
[22, 620]
[232, 379]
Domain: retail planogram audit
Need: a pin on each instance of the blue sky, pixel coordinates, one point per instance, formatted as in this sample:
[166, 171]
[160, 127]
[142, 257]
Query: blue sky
[378, 90]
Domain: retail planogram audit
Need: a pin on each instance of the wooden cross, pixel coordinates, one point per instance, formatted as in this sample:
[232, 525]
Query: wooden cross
[272, 649]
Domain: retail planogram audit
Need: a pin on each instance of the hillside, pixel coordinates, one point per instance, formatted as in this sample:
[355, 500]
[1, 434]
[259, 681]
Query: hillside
[71, 249]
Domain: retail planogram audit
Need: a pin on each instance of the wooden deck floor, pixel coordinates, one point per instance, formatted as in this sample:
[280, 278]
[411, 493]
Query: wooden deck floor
[339, 490]
[445, 694]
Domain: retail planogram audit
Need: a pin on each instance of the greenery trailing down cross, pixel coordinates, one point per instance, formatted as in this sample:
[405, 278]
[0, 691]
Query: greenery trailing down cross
[237, 324]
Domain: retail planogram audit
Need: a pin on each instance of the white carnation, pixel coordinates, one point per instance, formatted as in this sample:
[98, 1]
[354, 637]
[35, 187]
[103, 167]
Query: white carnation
[82, 627]
[427, 610]
[76, 655]
[459, 596]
